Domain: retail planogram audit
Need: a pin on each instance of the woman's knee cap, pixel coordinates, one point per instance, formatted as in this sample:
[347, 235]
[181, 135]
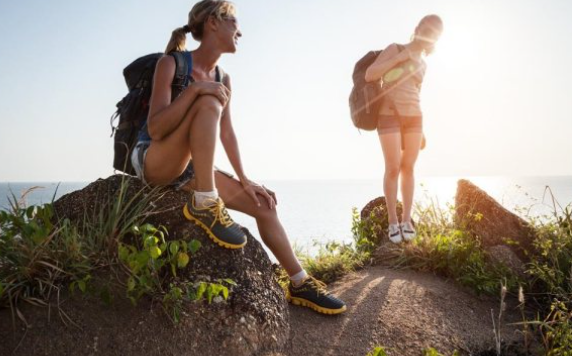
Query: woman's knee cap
[392, 171]
[209, 103]
[264, 212]
[407, 168]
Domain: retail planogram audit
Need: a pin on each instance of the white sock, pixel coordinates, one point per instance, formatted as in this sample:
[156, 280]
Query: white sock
[299, 277]
[204, 199]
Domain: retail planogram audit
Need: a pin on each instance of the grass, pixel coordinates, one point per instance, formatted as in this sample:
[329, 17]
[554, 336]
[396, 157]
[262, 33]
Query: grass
[332, 261]
[41, 256]
[430, 351]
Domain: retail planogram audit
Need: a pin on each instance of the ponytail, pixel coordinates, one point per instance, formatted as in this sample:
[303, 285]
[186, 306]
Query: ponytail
[178, 39]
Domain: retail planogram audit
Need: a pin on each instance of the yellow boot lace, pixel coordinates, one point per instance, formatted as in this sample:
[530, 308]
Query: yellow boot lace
[318, 285]
[220, 213]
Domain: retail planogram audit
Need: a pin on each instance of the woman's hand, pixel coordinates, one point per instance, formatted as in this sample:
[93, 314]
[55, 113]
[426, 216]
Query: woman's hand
[255, 189]
[219, 90]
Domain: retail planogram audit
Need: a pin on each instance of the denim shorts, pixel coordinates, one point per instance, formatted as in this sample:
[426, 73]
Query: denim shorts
[397, 123]
[138, 161]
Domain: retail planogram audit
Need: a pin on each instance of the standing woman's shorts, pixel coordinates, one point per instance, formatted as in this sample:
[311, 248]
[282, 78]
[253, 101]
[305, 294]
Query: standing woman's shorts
[396, 123]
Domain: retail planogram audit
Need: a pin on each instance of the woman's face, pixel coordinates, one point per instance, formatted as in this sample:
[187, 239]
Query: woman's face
[228, 34]
[428, 32]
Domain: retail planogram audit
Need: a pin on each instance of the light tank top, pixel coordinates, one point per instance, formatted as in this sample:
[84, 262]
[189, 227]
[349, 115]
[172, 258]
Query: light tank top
[403, 84]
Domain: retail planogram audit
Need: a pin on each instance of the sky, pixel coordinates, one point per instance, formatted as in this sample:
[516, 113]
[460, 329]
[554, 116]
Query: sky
[496, 97]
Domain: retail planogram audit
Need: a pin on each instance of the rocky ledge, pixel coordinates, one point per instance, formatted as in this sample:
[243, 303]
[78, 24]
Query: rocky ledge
[254, 320]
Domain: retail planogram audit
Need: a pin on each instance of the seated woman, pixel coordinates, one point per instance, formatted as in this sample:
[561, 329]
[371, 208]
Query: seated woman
[177, 145]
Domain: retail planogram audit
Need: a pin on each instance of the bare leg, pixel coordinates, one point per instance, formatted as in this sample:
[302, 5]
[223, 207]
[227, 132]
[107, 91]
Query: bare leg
[167, 158]
[271, 231]
[204, 133]
[391, 146]
[408, 158]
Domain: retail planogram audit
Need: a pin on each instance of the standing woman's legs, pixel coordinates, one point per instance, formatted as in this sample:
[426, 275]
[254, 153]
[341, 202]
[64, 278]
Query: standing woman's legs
[391, 147]
[412, 144]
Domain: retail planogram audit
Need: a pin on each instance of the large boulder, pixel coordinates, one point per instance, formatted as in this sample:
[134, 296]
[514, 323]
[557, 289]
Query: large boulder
[253, 321]
[479, 214]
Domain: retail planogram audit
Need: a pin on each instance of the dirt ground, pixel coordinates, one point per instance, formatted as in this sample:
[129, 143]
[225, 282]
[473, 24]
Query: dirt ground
[404, 311]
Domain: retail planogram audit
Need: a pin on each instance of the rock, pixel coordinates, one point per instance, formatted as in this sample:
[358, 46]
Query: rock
[479, 214]
[386, 253]
[375, 219]
[254, 320]
[504, 255]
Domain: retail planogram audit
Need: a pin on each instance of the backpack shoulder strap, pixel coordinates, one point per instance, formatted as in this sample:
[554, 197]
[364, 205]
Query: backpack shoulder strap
[184, 66]
[220, 75]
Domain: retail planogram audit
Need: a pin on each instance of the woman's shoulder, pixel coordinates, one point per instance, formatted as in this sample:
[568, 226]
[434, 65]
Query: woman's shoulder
[392, 48]
[164, 70]
[166, 61]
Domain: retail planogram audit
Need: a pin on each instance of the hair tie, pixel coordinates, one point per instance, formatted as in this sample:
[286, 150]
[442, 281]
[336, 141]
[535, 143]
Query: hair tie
[186, 28]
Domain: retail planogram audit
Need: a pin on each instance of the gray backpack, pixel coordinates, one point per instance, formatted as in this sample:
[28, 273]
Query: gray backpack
[365, 98]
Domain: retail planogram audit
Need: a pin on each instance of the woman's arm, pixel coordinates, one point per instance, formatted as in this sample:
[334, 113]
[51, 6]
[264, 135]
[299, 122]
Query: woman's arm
[389, 58]
[228, 138]
[230, 144]
[164, 116]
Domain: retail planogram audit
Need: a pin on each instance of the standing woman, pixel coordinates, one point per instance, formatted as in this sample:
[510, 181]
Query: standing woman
[176, 147]
[401, 68]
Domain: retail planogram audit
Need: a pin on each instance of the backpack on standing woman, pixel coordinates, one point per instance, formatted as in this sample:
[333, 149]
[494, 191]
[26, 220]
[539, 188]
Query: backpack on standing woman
[366, 97]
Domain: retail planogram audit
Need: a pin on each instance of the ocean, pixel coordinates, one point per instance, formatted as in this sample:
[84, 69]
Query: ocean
[321, 210]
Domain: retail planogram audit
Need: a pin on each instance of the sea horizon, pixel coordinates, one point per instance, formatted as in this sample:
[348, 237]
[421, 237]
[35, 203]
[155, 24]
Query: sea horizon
[326, 179]
[313, 210]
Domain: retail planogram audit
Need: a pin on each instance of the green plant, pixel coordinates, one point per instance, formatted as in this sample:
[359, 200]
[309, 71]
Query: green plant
[433, 352]
[173, 299]
[332, 261]
[458, 255]
[35, 254]
[377, 351]
[557, 328]
[148, 256]
[40, 254]
[551, 282]
[551, 269]
[364, 233]
[210, 290]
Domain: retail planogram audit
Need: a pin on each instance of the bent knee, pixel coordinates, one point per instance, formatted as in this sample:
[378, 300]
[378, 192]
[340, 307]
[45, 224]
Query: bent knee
[264, 212]
[209, 103]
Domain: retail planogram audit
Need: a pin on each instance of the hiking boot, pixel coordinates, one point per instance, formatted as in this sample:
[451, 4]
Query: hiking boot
[407, 231]
[312, 294]
[216, 222]
[394, 233]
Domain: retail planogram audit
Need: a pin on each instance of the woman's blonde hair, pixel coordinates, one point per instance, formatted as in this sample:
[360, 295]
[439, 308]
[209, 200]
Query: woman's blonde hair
[435, 22]
[198, 15]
